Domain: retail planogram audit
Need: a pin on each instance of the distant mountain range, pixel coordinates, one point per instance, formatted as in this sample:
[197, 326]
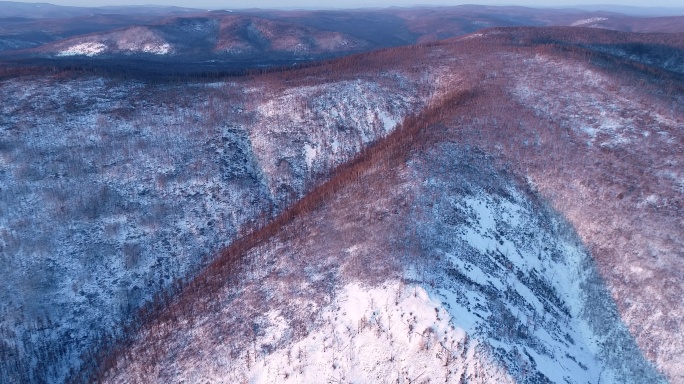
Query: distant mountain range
[214, 40]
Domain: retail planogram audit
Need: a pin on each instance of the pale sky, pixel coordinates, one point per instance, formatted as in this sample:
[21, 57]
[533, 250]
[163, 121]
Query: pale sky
[235, 4]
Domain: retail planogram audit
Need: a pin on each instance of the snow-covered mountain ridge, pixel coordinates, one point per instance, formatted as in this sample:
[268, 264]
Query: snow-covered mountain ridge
[483, 285]
[234, 36]
[472, 213]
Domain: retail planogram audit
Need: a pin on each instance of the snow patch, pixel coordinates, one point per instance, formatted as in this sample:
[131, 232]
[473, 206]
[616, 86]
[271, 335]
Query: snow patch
[388, 121]
[87, 49]
[590, 20]
[162, 49]
[310, 154]
[471, 36]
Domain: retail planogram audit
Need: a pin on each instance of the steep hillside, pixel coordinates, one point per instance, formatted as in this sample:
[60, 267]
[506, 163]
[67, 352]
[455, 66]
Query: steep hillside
[605, 152]
[173, 173]
[420, 261]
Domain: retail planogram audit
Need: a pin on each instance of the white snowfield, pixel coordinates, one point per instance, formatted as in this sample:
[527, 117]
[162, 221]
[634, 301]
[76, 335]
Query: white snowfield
[393, 333]
[85, 49]
[162, 49]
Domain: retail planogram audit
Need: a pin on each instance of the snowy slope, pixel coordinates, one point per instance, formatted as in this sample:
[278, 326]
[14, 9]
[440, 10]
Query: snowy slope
[127, 41]
[311, 129]
[484, 285]
[174, 174]
[513, 272]
[629, 207]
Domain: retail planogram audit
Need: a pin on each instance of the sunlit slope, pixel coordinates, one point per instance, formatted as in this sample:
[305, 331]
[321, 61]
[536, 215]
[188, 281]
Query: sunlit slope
[421, 259]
